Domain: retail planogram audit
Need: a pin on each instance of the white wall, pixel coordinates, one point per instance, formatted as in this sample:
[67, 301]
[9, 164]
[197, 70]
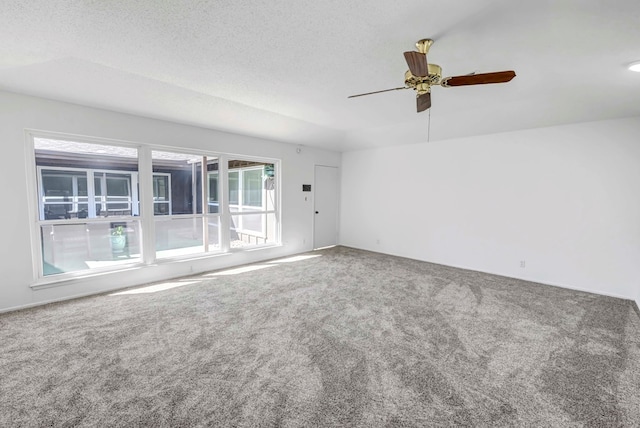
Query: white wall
[18, 113]
[564, 199]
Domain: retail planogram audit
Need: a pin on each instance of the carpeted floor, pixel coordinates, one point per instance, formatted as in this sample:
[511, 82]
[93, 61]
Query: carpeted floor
[345, 338]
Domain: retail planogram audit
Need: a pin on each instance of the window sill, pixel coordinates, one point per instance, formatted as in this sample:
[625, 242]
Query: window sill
[254, 248]
[71, 279]
[58, 280]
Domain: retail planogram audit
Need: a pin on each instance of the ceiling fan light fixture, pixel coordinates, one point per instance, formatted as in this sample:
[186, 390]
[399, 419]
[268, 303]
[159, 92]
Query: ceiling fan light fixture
[635, 66]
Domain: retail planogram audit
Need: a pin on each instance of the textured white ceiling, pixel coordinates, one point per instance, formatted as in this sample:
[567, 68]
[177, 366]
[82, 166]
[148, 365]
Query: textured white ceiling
[283, 69]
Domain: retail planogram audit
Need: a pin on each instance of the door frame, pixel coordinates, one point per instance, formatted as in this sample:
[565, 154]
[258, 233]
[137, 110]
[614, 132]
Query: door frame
[315, 186]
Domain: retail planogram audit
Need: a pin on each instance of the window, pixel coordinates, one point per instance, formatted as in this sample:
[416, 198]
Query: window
[84, 202]
[90, 205]
[252, 203]
[182, 227]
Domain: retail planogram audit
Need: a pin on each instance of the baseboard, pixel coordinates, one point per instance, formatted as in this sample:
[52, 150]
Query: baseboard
[47, 302]
[141, 284]
[536, 281]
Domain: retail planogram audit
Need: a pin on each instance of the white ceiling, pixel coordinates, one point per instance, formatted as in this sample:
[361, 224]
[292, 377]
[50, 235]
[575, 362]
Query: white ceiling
[283, 69]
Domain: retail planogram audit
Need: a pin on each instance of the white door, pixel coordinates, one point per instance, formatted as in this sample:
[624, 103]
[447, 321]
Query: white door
[326, 196]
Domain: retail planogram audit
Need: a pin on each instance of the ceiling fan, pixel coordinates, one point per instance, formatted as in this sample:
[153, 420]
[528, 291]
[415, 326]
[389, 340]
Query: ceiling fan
[421, 76]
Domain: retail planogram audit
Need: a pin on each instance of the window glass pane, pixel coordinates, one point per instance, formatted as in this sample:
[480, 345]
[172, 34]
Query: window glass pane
[161, 188]
[234, 187]
[213, 193]
[178, 190]
[98, 186]
[57, 194]
[85, 246]
[82, 185]
[118, 185]
[252, 187]
[65, 169]
[65, 194]
[213, 223]
[178, 237]
[118, 194]
[183, 185]
[57, 183]
[212, 172]
[253, 229]
[253, 220]
[106, 153]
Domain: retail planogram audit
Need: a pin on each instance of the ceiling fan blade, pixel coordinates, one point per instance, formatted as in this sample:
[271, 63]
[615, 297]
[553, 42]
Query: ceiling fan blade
[479, 79]
[424, 102]
[377, 92]
[417, 63]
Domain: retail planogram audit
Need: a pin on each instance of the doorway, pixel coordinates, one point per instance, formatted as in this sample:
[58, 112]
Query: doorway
[326, 197]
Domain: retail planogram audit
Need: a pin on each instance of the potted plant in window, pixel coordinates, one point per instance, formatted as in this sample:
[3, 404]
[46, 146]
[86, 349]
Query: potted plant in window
[118, 239]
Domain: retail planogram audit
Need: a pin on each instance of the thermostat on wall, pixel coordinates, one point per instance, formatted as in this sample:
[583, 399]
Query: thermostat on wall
[306, 187]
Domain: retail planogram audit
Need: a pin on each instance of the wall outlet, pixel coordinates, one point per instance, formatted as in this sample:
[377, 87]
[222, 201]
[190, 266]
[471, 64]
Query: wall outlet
[522, 263]
[378, 241]
[304, 241]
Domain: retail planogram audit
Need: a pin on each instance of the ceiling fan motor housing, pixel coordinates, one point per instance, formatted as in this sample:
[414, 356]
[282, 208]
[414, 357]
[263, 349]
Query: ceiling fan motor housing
[423, 84]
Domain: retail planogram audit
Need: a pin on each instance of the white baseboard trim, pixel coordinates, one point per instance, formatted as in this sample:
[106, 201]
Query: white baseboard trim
[155, 279]
[537, 281]
[47, 302]
[553, 284]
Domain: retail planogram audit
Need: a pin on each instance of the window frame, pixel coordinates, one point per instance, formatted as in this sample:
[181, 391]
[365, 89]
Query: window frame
[34, 185]
[145, 218]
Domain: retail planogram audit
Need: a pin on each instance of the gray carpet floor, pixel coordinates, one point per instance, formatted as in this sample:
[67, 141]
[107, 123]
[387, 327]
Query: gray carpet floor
[345, 338]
